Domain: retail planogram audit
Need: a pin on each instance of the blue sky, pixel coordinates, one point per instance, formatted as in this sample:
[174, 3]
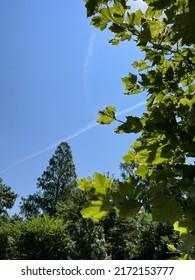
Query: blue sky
[56, 72]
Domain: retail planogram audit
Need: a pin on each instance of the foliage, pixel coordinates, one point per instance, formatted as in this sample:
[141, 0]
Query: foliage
[7, 198]
[149, 239]
[128, 170]
[64, 236]
[138, 238]
[68, 236]
[89, 239]
[87, 235]
[4, 243]
[62, 202]
[44, 238]
[105, 196]
[55, 184]
[36, 239]
[165, 149]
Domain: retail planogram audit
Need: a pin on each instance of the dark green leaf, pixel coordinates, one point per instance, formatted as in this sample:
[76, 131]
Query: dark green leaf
[132, 125]
[165, 209]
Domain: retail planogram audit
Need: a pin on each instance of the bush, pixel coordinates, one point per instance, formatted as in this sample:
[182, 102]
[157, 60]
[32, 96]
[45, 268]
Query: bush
[41, 238]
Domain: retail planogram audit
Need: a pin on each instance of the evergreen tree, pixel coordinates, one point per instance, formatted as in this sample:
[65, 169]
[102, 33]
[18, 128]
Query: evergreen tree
[55, 184]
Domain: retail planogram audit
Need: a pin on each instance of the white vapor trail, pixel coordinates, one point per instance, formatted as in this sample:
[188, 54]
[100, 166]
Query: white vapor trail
[136, 106]
[69, 137]
[50, 147]
[87, 59]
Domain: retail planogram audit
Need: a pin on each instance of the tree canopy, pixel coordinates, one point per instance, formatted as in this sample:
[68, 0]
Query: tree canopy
[165, 149]
[7, 198]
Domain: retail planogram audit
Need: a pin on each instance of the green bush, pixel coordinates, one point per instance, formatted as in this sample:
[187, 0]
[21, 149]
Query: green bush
[36, 239]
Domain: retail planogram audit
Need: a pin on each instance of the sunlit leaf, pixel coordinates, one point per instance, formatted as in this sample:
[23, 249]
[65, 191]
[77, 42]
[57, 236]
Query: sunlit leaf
[130, 157]
[142, 171]
[181, 230]
[171, 247]
[102, 184]
[97, 209]
[107, 116]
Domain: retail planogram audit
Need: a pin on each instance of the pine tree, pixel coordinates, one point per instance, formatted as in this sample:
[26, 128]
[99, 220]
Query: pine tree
[55, 184]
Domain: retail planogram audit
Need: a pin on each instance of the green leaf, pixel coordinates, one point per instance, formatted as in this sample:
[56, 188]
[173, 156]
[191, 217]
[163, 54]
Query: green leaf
[151, 12]
[130, 157]
[187, 102]
[118, 18]
[156, 28]
[181, 230]
[142, 156]
[155, 57]
[134, 90]
[161, 156]
[145, 35]
[91, 6]
[135, 18]
[165, 209]
[189, 221]
[102, 184]
[141, 65]
[128, 208]
[158, 4]
[125, 36]
[106, 14]
[99, 22]
[138, 17]
[114, 42]
[119, 9]
[107, 116]
[171, 247]
[132, 125]
[130, 80]
[142, 171]
[116, 28]
[130, 83]
[85, 184]
[97, 209]
[126, 189]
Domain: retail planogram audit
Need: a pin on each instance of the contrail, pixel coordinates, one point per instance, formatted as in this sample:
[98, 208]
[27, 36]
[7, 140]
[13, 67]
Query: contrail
[69, 137]
[136, 106]
[87, 59]
[50, 147]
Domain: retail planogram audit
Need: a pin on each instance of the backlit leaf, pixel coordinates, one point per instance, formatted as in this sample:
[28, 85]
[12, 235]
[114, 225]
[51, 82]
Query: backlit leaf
[130, 157]
[97, 209]
[107, 116]
[181, 230]
[101, 184]
[142, 171]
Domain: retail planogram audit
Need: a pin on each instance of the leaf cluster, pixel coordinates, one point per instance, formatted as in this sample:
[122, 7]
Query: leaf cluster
[165, 149]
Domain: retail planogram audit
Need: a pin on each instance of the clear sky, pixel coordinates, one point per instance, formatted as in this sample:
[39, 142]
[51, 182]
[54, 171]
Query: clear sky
[56, 72]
